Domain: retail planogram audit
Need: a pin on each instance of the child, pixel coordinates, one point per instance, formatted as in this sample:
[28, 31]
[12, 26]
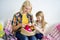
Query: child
[40, 25]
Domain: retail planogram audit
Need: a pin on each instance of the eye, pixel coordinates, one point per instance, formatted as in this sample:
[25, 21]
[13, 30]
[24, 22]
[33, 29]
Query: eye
[26, 8]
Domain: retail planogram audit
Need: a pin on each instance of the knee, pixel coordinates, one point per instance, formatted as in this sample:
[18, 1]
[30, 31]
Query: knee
[33, 38]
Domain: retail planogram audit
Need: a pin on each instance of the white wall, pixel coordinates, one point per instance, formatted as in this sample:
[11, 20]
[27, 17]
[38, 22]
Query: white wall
[51, 9]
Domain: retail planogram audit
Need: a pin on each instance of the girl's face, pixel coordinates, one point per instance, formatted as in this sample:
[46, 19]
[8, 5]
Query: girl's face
[27, 9]
[40, 17]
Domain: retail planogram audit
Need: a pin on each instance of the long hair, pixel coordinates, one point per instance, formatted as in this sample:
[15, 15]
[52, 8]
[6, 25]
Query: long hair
[42, 20]
[26, 3]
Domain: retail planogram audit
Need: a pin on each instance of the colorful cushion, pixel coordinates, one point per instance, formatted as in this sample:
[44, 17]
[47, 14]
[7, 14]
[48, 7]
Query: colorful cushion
[1, 34]
[1, 27]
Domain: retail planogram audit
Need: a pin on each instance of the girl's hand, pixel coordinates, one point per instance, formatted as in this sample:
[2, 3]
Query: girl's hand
[29, 24]
[34, 24]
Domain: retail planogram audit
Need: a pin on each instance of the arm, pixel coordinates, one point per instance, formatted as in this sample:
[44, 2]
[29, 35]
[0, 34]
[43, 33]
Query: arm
[47, 29]
[16, 27]
[39, 29]
[15, 24]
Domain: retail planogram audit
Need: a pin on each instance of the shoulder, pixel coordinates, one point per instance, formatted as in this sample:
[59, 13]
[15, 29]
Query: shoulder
[18, 13]
[29, 14]
[47, 25]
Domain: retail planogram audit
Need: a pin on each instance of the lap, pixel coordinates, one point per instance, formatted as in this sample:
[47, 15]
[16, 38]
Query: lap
[20, 36]
[39, 35]
[23, 37]
[32, 38]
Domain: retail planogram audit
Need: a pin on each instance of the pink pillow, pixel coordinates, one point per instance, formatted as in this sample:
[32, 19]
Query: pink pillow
[58, 27]
[46, 38]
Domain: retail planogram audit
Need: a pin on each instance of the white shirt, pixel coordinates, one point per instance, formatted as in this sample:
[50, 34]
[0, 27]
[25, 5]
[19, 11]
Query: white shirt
[39, 29]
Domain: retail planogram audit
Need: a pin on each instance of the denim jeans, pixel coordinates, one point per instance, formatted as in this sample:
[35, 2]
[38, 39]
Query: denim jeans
[32, 38]
[23, 37]
[39, 35]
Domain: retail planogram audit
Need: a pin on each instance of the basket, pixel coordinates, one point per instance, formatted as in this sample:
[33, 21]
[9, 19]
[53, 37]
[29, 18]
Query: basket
[27, 33]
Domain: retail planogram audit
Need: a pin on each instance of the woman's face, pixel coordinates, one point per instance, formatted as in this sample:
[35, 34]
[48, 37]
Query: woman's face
[27, 9]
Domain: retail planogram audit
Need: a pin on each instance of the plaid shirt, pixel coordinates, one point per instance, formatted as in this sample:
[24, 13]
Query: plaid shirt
[30, 20]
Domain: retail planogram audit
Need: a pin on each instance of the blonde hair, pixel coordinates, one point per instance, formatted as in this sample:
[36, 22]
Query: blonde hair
[26, 3]
[42, 21]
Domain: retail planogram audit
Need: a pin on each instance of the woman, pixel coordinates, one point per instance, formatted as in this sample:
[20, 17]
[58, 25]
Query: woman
[22, 18]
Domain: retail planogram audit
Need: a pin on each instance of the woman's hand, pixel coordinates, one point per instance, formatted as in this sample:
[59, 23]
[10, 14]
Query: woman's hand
[19, 25]
[16, 27]
[23, 25]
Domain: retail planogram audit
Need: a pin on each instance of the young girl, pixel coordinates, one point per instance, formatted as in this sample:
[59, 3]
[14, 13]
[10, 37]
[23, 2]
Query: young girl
[23, 18]
[40, 25]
